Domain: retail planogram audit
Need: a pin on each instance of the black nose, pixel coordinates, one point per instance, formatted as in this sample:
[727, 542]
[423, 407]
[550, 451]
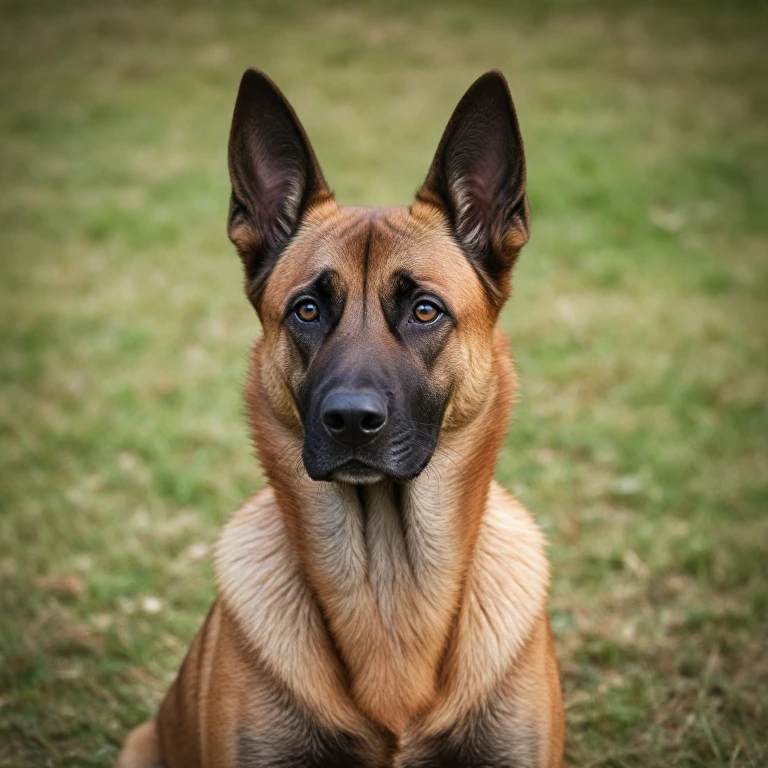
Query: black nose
[353, 418]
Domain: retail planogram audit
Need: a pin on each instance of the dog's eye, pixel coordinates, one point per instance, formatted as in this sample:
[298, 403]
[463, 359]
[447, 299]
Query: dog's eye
[426, 312]
[307, 311]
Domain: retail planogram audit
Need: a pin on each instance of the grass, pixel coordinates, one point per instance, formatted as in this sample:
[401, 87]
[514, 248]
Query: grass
[639, 323]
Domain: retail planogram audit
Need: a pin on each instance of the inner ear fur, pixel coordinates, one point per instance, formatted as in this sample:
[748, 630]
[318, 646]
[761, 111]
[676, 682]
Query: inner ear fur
[274, 173]
[477, 178]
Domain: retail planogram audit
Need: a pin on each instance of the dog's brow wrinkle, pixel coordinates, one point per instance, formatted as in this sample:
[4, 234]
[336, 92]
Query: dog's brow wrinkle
[391, 226]
[366, 266]
[346, 230]
[399, 231]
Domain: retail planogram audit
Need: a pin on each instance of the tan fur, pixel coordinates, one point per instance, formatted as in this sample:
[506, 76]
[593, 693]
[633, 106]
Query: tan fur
[142, 748]
[393, 616]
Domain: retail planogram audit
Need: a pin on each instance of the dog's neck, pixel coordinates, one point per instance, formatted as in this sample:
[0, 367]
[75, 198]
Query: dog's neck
[387, 562]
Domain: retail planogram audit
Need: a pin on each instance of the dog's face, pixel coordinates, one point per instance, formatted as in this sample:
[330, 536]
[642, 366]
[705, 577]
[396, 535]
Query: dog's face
[378, 323]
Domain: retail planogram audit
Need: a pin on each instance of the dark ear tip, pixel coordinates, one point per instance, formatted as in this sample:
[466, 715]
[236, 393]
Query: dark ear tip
[494, 74]
[255, 81]
[254, 74]
[492, 83]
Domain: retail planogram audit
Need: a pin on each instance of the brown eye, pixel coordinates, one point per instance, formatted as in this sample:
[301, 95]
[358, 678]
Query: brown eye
[307, 311]
[426, 312]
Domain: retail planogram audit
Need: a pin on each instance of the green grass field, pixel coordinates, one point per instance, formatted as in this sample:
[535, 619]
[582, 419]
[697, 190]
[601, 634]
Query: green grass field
[639, 322]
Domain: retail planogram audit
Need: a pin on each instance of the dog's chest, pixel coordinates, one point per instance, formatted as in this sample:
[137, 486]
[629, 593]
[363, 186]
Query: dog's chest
[309, 747]
[300, 750]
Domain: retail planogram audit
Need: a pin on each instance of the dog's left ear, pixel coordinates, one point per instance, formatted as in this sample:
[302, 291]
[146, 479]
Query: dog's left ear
[478, 179]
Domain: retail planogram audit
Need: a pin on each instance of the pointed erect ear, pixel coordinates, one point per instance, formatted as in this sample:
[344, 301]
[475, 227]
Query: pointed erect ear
[478, 179]
[274, 173]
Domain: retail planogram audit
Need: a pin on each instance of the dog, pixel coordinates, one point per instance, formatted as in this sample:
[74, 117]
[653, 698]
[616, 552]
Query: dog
[382, 602]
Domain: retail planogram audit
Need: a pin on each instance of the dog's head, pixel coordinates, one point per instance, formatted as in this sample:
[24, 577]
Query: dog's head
[378, 323]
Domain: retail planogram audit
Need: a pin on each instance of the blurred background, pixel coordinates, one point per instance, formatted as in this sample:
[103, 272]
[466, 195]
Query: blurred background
[639, 325]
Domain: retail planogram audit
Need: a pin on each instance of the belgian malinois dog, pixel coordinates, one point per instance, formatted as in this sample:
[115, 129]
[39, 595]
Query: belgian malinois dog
[383, 602]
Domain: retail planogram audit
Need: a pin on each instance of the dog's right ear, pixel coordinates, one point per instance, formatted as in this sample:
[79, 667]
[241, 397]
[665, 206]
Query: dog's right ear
[275, 177]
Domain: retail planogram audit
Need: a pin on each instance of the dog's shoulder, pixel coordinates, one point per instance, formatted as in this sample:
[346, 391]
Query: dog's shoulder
[510, 567]
[263, 591]
[254, 531]
[510, 575]
[255, 563]
[511, 535]
[505, 599]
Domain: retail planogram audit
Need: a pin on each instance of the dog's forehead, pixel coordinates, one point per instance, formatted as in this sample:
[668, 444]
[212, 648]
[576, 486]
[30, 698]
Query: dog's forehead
[368, 247]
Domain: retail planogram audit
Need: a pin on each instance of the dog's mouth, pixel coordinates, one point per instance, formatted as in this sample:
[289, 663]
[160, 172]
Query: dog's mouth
[398, 456]
[357, 473]
[361, 472]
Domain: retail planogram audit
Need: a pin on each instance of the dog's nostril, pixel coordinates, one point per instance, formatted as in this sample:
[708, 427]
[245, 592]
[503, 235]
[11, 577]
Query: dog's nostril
[371, 422]
[333, 420]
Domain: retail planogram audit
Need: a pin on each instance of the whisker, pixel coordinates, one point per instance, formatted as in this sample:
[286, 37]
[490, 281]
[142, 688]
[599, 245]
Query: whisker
[441, 447]
[289, 444]
[440, 452]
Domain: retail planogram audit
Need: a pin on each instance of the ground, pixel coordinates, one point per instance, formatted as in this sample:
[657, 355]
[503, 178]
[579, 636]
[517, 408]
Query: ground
[639, 323]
